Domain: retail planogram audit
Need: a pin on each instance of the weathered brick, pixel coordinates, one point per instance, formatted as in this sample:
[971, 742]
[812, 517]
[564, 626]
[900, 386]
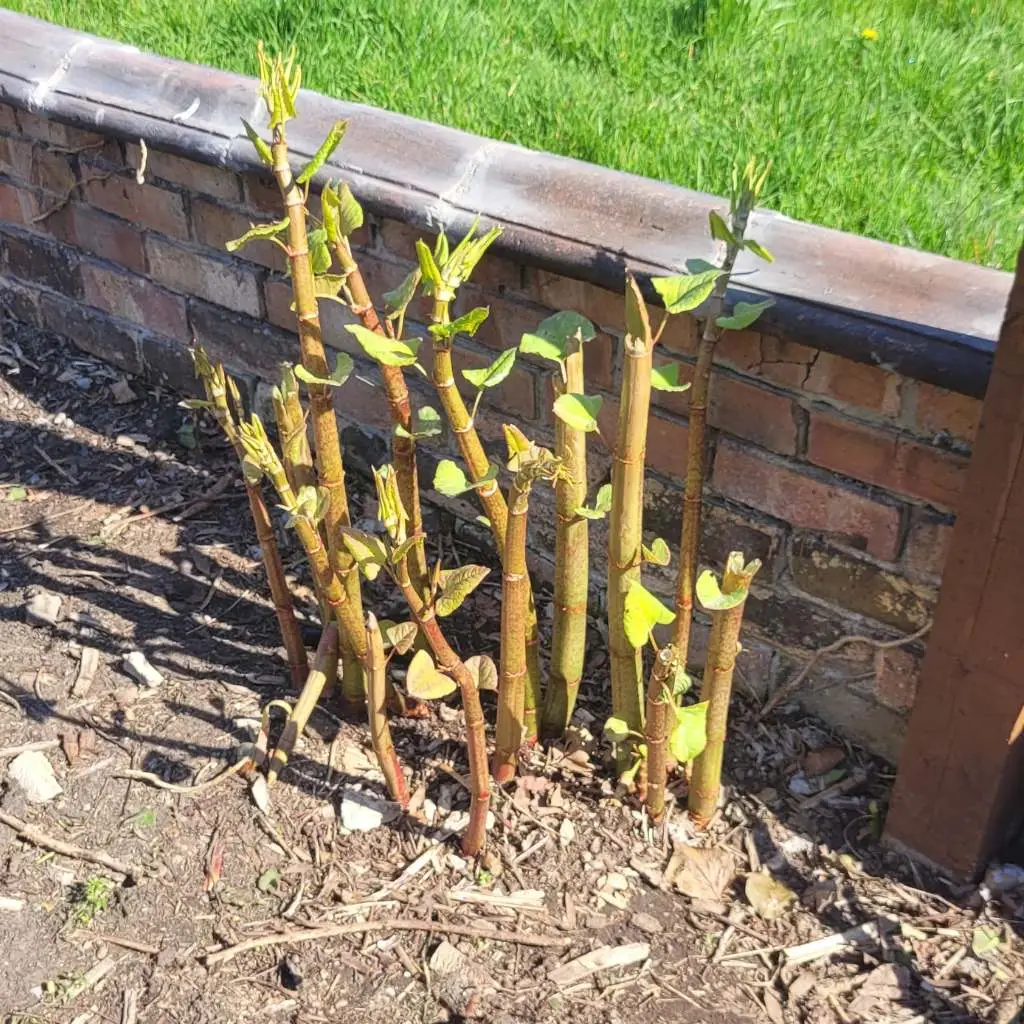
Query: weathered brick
[8, 120]
[843, 579]
[886, 460]
[927, 546]
[741, 408]
[515, 394]
[192, 273]
[92, 331]
[261, 194]
[136, 299]
[509, 320]
[599, 369]
[240, 342]
[169, 363]
[860, 718]
[42, 128]
[400, 238]
[16, 159]
[666, 439]
[681, 334]
[604, 308]
[333, 317]
[17, 205]
[32, 258]
[740, 350]
[937, 411]
[94, 231]
[196, 177]
[785, 492]
[792, 620]
[361, 401]
[215, 225]
[20, 301]
[857, 384]
[897, 674]
[146, 206]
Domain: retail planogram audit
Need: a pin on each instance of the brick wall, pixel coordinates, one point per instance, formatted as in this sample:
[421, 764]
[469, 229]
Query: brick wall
[841, 476]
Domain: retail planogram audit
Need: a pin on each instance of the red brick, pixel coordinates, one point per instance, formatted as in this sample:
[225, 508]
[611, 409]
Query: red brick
[17, 205]
[681, 334]
[666, 439]
[146, 206]
[262, 195]
[214, 225]
[606, 309]
[333, 317]
[740, 408]
[800, 499]
[192, 273]
[100, 234]
[740, 350]
[136, 299]
[508, 321]
[362, 400]
[399, 238]
[16, 159]
[34, 258]
[515, 395]
[842, 380]
[212, 181]
[36, 126]
[897, 674]
[927, 546]
[8, 121]
[886, 460]
[937, 410]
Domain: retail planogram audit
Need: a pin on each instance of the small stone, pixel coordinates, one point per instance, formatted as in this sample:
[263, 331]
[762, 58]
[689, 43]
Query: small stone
[361, 812]
[43, 609]
[647, 923]
[136, 665]
[566, 833]
[122, 392]
[32, 772]
[617, 882]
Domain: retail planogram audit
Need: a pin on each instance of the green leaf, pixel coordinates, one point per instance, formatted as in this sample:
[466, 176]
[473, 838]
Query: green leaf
[397, 300]
[261, 147]
[986, 940]
[681, 682]
[457, 585]
[251, 471]
[323, 154]
[319, 254]
[428, 267]
[451, 481]
[689, 735]
[657, 553]
[467, 324]
[16, 493]
[343, 366]
[426, 423]
[424, 682]
[643, 612]
[327, 286]
[257, 231]
[269, 880]
[402, 636]
[554, 336]
[491, 376]
[368, 551]
[441, 249]
[685, 292]
[616, 730]
[666, 378]
[744, 314]
[602, 504]
[387, 351]
[711, 597]
[482, 669]
[350, 213]
[720, 230]
[759, 250]
[578, 411]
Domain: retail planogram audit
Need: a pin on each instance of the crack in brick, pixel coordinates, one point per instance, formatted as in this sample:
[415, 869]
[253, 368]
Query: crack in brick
[441, 210]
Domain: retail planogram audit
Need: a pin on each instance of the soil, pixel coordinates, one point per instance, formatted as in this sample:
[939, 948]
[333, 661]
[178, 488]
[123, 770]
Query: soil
[129, 508]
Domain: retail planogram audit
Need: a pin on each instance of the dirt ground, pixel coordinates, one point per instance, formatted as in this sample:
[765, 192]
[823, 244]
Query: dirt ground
[128, 508]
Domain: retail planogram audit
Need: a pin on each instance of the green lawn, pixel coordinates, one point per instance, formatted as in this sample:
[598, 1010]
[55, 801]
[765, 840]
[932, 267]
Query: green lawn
[916, 136]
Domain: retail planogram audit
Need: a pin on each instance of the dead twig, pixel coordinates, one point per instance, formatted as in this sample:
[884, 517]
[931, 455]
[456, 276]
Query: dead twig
[154, 780]
[118, 940]
[786, 690]
[56, 466]
[211, 494]
[42, 520]
[30, 834]
[8, 752]
[400, 924]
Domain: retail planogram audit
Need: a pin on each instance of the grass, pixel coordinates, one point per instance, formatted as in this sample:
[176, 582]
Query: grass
[915, 137]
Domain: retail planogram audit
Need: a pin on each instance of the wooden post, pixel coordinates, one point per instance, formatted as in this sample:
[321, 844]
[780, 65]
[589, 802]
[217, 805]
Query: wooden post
[960, 789]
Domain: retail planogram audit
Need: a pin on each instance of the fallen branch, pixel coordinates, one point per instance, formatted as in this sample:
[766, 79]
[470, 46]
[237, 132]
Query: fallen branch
[358, 927]
[786, 690]
[210, 494]
[117, 940]
[9, 752]
[30, 834]
[154, 780]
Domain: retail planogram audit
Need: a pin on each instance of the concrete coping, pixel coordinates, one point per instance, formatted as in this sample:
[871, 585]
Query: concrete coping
[921, 315]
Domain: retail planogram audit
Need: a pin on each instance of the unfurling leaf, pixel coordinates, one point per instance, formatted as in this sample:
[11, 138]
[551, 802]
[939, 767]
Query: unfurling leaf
[397, 300]
[251, 471]
[985, 941]
[424, 682]
[555, 336]
[744, 314]
[658, 553]
[342, 213]
[468, 324]
[759, 250]
[261, 147]
[689, 734]
[387, 351]
[492, 375]
[257, 231]
[602, 504]
[456, 585]
[482, 669]
[403, 549]
[319, 254]
[518, 444]
[768, 897]
[323, 154]
[681, 682]
[721, 231]
[402, 636]
[711, 595]
[451, 481]
[682, 293]
[428, 267]
[643, 612]
[616, 730]
[666, 378]
[466, 255]
[578, 411]
[341, 372]
[327, 286]
[368, 551]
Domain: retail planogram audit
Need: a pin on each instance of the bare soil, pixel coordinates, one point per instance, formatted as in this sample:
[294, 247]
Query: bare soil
[130, 511]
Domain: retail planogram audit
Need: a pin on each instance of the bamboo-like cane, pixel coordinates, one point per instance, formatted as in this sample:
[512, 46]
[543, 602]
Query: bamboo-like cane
[572, 561]
[716, 687]
[215, 383]
[659, 704]
[291, 429]
[329, 464]
[626, 517]
[376, 703]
